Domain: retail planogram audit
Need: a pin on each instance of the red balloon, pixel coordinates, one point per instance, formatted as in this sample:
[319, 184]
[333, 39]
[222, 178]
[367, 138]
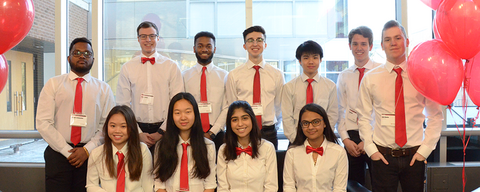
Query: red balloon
[16, 19]
[458, 23]
[435, 72]
[432, 3]
[3, 72]
[472, 79]
[435, 30]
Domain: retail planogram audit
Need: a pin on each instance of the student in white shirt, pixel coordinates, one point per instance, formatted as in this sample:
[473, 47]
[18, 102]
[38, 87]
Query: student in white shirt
[69, 143]
[184, 158]
[241, 82]
[360, 42]
[315, 161]
[147, 82]
[245, 162]
[122, 158]
[295, 93]
[214, 105]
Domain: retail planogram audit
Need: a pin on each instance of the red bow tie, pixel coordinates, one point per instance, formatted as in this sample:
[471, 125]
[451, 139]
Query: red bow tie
[247, 150]
[316, 150]
[152, 60]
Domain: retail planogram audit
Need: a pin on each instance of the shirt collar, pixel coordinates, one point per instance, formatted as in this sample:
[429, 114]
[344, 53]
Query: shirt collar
[123, 150]
[322, 145]
[153, 55]
[239, 145]
[199, 67]
[369, 65]
[305, 77]
[72, 76]
[389, 66]
[182, 141]
[250, 64]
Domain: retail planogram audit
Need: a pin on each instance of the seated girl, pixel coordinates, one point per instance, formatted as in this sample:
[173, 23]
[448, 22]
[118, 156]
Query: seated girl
[315, 161]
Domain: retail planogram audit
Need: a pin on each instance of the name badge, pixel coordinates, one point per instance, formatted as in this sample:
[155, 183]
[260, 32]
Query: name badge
[257, 109]
[146, 99]
[205, 107]
[388, 119]
[78, 120]
[352, 115]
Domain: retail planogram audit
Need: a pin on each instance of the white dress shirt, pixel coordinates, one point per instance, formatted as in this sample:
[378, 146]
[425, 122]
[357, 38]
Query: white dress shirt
[294, 99]
[377, 96]
[195, 184]
[215, 92]
[329, 173]
[239, 86]
[163, 80]
[245, 174]
[55, 106]
[97, 171]
[347, 92]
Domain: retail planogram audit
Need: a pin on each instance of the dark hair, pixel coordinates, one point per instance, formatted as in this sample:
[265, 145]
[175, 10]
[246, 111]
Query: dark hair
[147, 24]
[134, 155]
[251, 29]
[204, 34]
[327, 131]
[363, 31]
[167, 157]
[393, 23]
[231, 139]
[78, 40]
[309, 47]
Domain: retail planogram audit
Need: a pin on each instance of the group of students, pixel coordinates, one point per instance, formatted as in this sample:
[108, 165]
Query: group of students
[163, 113]
[245, 162]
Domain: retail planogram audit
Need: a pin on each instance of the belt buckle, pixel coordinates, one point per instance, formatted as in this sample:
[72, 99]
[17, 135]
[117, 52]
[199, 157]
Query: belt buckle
[393, 152]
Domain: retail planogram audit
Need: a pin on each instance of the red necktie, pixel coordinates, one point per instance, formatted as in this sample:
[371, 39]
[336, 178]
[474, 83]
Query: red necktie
[184, 169]
[400, 129]
[256, 93]
[316, 150]
[310, 91]
[247, 150]
[145, 59]
[76, 134]
[362, 71]
[120, 173]
[203, 99]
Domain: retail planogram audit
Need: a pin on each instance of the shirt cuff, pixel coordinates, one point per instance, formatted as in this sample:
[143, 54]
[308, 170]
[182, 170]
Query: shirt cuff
[371, 149]
[424, 151]
[65, 150]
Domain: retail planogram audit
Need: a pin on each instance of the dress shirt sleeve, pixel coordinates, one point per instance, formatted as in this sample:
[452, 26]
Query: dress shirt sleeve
[332, 111]
[107, 103]
[211, 180]
[342, 106]
[434, 114]
[364, 110]
[341, 173]
[46, 120]
[288, 173]
[93, 178]
[278, 97]
[147, 176]
[124, 92]
[223, 185]
[176, 82]
[289, 128]
[230, 89]
[271, 181]
[222, 118]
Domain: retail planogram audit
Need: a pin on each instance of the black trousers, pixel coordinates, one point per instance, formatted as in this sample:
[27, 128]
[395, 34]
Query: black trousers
[150, 128]
[219, 140]
[60, 176]
[269, 133]
[357, 165]
[385, 178]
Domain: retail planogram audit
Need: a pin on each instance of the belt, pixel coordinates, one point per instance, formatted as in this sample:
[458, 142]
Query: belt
[400, 152]
[264, 127]
[78, 145]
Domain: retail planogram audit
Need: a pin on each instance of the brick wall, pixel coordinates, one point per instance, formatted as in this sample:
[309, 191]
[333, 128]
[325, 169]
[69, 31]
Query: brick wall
[43, 27]
[78, 22]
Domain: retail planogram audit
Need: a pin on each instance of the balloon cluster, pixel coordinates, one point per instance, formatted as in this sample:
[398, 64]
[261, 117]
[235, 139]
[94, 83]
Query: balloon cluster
[16, 19]
[435, 67]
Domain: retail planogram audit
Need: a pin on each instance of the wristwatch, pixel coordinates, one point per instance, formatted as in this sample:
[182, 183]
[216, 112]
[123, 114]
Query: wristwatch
[212, 135]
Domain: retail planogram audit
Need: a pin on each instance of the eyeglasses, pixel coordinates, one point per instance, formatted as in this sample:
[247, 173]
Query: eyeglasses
[151, 36]
[315, 123]
[258, 40]
[86, 54]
